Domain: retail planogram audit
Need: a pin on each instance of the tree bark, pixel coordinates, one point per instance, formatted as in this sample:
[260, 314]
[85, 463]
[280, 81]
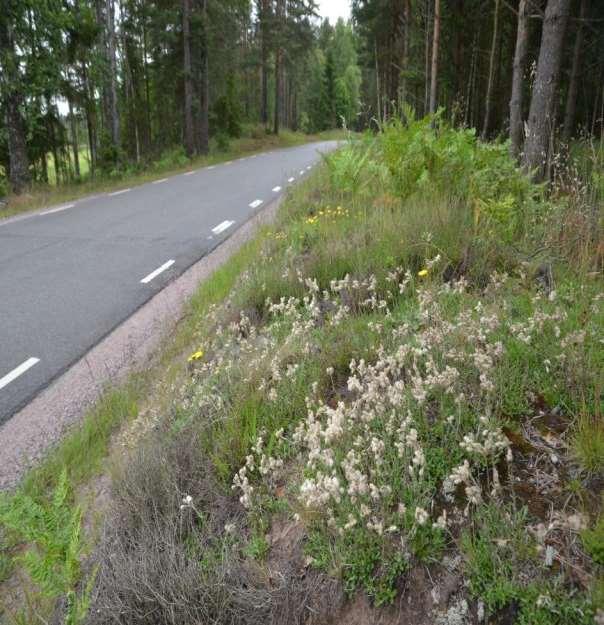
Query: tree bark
[19, 174]
[516, 101]
[278, 63]
[264, 27]
[56, 160]
[427, 57]
[149, 129]
[91, 120]
[545, 89]
[406, 38]
[378, 88]
[114, 116]
[204, 129]
[434, 71]
[74, 139]
[189, 132]
[468, 100]
[491, 80]
[105, 21]
[571, 97]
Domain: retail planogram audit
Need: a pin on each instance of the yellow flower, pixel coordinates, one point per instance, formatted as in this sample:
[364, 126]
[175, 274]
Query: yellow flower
[198, 355]
[423, 273]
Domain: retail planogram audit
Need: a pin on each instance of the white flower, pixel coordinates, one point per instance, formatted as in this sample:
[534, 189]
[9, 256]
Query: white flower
[187, 502]
[441, 522]
[421, 516]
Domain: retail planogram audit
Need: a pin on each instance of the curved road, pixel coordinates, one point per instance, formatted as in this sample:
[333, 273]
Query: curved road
[69, 275]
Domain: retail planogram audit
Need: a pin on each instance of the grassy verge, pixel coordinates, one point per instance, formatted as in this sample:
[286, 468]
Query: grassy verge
[171, 163]
[401, 376]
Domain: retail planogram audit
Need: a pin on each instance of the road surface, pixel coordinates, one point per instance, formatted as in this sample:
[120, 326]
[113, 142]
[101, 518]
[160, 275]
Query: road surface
[69, 275]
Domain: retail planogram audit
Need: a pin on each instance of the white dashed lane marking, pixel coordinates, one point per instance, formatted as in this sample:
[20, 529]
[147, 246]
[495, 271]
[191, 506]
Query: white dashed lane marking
[255, 203]
[225, 225]
[57, 210]
[18, 371]
[276, 189]
[156, 273]
[290, 180]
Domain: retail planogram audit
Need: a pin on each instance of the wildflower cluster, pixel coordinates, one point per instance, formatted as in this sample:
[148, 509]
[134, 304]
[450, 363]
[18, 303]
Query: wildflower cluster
[197, 355]
[327, 214]
[407, 442]
[366, 457]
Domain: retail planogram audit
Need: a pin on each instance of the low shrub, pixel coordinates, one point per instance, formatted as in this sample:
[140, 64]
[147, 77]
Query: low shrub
[3, 187]
[172, 158]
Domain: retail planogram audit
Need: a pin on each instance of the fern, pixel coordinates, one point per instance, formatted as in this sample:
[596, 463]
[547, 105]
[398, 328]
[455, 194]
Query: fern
[53, 532]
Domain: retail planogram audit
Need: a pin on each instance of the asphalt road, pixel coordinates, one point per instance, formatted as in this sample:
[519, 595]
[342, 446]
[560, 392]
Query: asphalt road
[69, 275]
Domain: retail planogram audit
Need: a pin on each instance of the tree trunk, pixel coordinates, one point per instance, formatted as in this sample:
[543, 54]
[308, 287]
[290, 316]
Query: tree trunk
[491, 80]
[74, 139]
[114, 117]
[278, 63]
[18, 160]
[406, 38]
[434, 71]
[44, 168]
[545, 89]
[149, 129]
[468, 100]
[599, 92]
[571, 97]
[56, 161]
[204, 127]
[19, 175]
[427, 57]
[90, 121]
[378, 88]
[516, 101]
[264, 27]
[189, 132]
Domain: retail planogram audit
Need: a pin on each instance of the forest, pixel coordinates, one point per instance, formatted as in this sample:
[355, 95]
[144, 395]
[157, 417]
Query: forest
[95, 87]
[125, 82]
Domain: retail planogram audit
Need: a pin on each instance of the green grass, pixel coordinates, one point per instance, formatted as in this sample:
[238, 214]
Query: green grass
[82, 452]
[593, 540]
[588, 443]
[499, 553]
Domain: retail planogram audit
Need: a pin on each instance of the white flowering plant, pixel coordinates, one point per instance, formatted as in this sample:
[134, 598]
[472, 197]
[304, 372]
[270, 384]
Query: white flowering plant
[372, 381]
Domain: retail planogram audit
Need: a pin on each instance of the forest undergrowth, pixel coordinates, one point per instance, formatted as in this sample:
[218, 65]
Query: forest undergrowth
[394, 416]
